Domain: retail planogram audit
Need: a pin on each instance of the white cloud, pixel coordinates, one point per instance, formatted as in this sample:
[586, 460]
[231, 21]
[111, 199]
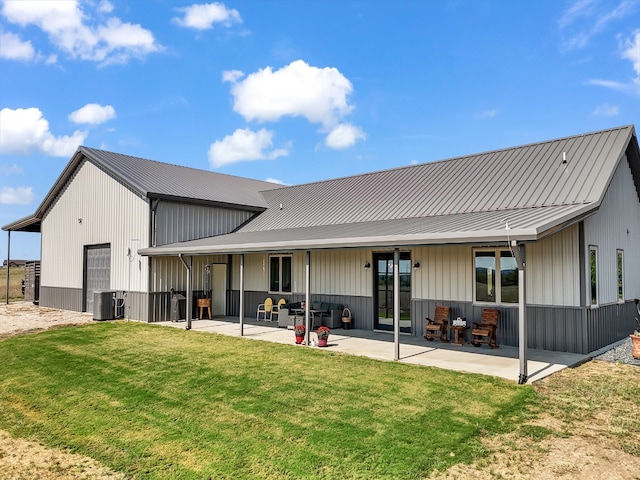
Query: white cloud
[590, 17]
[232, 75]
[93, 113]
[105, 7]
[632, 52]
[606, 110]
[13, 48]
[244, 145]
[10, 169]
[16, 196]
[25, 131]
[275, 180]
[318, 94]
[66, 24]
[344, 136]
[202, 17]
[487, 114]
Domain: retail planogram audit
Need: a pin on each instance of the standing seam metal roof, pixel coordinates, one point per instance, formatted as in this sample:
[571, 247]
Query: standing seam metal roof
[152, 178]
[525, 177]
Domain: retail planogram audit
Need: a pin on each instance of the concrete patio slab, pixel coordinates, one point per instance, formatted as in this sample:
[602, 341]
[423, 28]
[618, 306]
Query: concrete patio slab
[502, 362]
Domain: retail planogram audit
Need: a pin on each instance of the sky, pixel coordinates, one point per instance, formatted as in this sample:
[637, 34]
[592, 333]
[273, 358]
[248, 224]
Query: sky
[300, 91]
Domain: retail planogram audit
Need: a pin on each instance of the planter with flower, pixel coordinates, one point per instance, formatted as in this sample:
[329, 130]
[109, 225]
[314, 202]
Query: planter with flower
[299, 331]
[323, 336]
[635, 341]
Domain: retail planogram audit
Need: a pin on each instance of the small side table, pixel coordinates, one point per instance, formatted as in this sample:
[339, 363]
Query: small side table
[458, 339]
[204, 303]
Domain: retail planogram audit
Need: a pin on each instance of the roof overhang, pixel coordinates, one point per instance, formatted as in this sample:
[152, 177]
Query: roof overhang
[26, 224]
[526, 225]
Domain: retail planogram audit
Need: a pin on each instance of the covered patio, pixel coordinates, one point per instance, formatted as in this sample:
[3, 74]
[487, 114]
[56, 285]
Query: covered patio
[503, 362]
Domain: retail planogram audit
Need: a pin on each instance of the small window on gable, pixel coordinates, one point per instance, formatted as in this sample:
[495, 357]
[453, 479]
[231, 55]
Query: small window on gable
[620, 270]
[593, 273]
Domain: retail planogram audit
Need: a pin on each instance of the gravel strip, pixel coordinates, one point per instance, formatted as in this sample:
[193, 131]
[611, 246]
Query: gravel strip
[620, 353]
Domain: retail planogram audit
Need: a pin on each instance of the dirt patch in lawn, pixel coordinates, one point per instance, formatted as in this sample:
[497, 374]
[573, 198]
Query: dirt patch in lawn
[588, 427]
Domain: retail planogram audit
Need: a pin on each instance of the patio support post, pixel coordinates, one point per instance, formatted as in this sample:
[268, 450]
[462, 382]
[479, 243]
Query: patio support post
[396, 304]
[189, 301]
[519, 254]
[307, 280]
[8, 261]
[242, 294]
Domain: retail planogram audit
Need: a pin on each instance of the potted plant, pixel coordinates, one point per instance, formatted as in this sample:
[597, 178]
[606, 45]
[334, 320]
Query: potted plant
[323, 336]
[299, 330]
[635, 340]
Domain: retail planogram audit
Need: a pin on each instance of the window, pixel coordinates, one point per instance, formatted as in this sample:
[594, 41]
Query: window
[620, 261]
[593, 269]
[491, 287]
[280, 273]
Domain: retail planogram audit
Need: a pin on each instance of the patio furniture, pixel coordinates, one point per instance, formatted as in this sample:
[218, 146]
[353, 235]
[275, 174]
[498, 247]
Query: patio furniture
[438, 326]
[204, 303]
[265, 310]
[485, 331]
[275, 310]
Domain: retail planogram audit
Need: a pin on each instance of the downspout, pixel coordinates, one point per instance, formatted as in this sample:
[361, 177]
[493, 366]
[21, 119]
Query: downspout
[519, 254]
[8, 261]
[189, 292]
[396, 304]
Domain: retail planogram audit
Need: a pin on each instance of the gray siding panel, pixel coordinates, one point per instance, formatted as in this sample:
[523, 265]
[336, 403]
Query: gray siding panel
[181, 222]
[62, 298]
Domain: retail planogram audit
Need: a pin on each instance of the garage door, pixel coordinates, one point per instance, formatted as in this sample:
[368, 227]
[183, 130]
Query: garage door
[97, 272]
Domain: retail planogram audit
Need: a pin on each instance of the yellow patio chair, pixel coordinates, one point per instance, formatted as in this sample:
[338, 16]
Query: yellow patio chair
[275, 310]
[265, 310]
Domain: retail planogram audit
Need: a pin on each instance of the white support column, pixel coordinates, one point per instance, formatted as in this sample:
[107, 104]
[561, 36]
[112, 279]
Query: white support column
[189, 302]
[8, 261]
[519, 253]
[241, 294]
[396, 304]
[307, 282]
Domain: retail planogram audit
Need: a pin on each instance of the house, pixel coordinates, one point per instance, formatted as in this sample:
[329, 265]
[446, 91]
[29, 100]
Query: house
[14, 263]
[547, 233]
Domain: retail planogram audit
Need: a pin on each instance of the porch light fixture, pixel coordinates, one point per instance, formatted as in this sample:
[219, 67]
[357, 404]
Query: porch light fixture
[367, 265]
[416, 265]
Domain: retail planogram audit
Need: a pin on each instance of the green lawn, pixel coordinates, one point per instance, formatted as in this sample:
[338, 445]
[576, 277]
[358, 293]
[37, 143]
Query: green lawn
[156, 402]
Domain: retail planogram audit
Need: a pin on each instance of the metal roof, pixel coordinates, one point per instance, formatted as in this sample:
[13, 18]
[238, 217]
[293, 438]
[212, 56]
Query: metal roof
[529, 176]
[156, 179]
[477, 227]
[537, 189]
[152, 179]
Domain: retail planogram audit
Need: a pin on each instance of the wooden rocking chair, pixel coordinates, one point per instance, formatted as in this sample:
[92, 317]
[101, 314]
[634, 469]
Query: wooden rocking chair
[438, 326]
[485, 331]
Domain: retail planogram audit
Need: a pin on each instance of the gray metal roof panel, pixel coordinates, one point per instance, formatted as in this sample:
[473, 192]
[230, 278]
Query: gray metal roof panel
[490, 226]
[152, 178]
[528, 176]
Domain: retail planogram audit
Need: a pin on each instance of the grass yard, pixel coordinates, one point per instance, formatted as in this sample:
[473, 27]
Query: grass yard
[155, 402]
[16, 275]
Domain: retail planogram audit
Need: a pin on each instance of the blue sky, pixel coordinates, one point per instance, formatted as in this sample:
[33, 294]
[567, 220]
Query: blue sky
[299, 91]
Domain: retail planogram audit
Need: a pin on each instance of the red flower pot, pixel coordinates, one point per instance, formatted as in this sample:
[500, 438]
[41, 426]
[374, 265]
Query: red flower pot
[299, 339]
[322, 342]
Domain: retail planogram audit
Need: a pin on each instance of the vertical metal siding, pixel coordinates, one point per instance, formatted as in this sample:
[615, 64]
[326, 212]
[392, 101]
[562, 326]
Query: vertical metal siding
[110, 213]
[179, 222]
[553, 269]
[616, 225]
[446, 272]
